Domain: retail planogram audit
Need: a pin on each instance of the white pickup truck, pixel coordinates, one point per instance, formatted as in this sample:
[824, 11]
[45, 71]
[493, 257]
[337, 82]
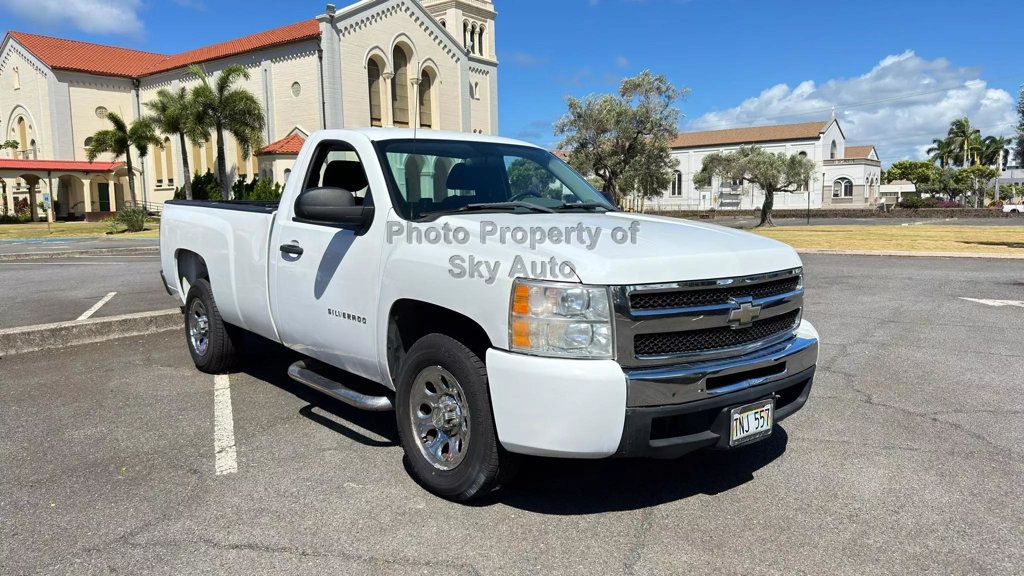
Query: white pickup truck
[502, 304]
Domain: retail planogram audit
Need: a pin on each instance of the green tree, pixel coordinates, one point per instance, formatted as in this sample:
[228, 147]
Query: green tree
[918, 172]
[965, 140]
[12, 144]
[944, 181]
[772, 173]
[974, 179]
[618, 137]
[120, 140]
[941, 152]
[993, 150]
[174, 114]
[221, 108]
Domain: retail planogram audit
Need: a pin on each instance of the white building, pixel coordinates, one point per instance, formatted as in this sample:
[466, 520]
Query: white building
[844, 176]
[376, 62]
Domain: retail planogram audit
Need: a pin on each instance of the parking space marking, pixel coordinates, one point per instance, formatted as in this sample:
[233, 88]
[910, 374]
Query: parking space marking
[225, 459]
[85, 315]
[997, 303]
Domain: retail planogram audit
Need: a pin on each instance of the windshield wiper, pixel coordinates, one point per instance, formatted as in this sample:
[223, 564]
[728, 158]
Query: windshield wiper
[583, 206]
[505, 206]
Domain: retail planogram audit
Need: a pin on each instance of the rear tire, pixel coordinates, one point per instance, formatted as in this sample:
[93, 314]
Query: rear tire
[213, 344]
[445, 422]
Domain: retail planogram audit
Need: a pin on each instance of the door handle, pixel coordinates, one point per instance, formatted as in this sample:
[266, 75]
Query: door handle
[293, 249]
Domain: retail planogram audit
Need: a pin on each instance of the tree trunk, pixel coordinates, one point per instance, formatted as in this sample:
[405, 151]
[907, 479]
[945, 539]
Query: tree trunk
[766, 210]
[185, 167]
[131, 174]
[222, 166]
[609, 191]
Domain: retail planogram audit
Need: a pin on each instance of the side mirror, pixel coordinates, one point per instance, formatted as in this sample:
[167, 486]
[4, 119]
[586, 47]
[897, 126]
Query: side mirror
[332, 207]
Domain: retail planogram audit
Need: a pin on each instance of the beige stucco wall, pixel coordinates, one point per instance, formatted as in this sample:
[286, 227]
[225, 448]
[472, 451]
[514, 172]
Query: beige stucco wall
[30, 100]
[298, 64]
[87, 94]
[394, 24]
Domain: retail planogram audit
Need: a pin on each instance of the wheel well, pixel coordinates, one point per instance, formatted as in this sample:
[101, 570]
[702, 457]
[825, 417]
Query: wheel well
[411, 320]
[191, 267]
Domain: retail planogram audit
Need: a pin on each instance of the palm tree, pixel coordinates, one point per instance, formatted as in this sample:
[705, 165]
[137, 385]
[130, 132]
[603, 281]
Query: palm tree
[120, 140]
[965, 140]
[175, 113]
[221, 107]
[993, 150]
[941, 152]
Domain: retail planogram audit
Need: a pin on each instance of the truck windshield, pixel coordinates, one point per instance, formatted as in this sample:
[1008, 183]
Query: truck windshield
[435, 177]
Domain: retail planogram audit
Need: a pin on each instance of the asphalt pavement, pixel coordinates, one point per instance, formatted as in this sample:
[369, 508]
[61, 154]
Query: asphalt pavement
[57, 290]
[907, 459]
[44, 245]
[750, 222]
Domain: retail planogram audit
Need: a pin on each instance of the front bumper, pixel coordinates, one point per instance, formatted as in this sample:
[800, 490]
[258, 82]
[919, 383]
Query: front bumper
[671, 431]
[594, 409]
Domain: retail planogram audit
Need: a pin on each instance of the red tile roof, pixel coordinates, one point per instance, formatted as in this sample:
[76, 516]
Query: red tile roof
[59, 165]
[751, 135]
[284, 35]
[290, 144]
[64, 54]
[859, 151]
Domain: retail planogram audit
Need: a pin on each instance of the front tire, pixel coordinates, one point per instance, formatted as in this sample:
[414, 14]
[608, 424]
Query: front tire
[212, 343]
[445, 423]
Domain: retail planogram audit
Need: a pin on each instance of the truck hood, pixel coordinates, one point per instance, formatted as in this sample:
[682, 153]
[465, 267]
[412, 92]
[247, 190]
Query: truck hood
[665, 249]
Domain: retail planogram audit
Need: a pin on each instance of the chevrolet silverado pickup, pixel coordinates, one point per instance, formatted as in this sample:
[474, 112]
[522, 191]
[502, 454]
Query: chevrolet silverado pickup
[503, 305]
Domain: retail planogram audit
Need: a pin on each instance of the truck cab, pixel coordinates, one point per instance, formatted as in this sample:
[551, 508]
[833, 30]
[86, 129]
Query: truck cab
[503, 305]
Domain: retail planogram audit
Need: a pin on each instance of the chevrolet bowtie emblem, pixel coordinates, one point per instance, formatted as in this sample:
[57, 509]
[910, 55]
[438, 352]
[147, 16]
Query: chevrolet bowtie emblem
[744, 316]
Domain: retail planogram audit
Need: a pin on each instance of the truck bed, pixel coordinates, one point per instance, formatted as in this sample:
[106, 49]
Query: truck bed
[264, 207]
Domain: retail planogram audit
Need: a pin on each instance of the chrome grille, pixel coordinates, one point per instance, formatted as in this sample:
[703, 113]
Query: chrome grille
[711, 339]
[669, 323]
[711, 296]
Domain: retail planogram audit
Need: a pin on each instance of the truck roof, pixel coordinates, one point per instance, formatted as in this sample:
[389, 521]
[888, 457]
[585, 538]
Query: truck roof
[381, 134]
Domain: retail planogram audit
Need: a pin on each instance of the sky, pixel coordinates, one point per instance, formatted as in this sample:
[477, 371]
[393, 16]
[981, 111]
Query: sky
[896, 72]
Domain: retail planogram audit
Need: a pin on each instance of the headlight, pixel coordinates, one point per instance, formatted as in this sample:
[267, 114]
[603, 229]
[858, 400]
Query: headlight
[559, 319]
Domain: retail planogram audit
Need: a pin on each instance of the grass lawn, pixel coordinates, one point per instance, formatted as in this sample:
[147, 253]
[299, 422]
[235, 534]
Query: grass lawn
[70, 229]
[912, 238]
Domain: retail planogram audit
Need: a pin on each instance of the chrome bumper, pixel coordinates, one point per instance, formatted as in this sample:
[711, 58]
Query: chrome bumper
[714, 378]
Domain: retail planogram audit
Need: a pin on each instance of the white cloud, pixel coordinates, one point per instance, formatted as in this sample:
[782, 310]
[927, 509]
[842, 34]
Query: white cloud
[899, 105]
[119, 17]
[622, 62]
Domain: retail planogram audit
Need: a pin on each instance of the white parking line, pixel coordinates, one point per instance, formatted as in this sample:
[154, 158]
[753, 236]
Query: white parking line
[225, 461]
[85, 315]
[997, 303]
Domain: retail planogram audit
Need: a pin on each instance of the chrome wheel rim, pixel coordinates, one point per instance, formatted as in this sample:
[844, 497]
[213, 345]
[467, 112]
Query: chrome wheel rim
[198, 327]
[439, 415]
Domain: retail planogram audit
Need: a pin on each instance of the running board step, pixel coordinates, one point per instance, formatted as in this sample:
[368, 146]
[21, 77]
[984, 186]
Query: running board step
[302, 374]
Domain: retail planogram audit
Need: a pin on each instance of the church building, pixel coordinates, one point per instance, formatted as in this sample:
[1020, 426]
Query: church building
[431, 64]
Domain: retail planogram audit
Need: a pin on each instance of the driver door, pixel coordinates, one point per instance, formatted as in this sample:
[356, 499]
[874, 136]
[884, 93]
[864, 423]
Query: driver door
[325, 278]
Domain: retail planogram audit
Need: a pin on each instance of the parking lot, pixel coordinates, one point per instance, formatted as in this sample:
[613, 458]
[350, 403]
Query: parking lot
[906, 460]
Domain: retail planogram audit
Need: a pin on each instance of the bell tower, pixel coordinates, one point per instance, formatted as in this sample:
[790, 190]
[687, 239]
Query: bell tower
[469, 21]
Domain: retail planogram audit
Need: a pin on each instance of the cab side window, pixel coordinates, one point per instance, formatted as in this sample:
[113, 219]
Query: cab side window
[336, 165]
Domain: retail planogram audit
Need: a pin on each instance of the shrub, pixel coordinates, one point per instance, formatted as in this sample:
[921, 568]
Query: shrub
[132, 218]
[949, 204]
[265, 191]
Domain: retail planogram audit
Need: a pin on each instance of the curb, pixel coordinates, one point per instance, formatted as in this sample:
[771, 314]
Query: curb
[913, 254]
[138, 251]
[61, 334]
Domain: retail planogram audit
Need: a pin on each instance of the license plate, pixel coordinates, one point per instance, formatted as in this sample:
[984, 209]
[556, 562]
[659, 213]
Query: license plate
[751, 422]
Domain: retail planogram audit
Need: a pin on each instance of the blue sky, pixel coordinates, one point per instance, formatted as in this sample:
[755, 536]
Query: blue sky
[745, 61]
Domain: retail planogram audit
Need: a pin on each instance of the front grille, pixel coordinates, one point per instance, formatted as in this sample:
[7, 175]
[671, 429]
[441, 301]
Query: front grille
[709, 339]
[711, 296]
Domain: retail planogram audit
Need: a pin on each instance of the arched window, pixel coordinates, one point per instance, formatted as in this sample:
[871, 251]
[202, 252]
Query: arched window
[287, 173]
[472, 40]
[842, 188]
[373, 80]
[677, 183]
[158, 160]
[443, 23]
[211, 164]
[243, 168]
[22, 134]
[832, 153]
[426, 101]
[400, 89]
[480, 43]
[32, 149]
[465, 34]
[168, 161]
[197, 160]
